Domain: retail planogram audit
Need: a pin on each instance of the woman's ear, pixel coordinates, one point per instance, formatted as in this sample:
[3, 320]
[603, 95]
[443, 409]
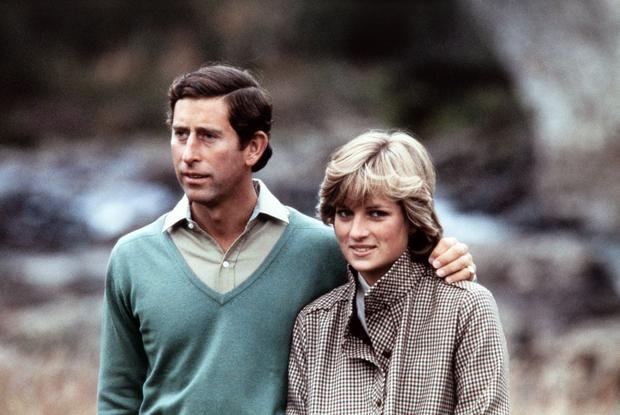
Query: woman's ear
[255, 148]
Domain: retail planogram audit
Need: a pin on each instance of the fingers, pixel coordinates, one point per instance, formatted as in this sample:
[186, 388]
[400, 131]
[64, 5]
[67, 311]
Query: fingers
[458, 264]
[462, 275]
[453, 261]
[444, 245]
[466, 274]
[451, 254]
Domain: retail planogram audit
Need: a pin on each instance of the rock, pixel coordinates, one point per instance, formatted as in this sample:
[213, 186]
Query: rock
[43, 222]
[564, 61]
[547, 281]
[64, 195]
[70, 324]
[35, 279]
[577, 372]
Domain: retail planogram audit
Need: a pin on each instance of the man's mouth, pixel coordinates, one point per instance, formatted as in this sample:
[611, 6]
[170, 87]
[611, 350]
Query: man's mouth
[194, 178]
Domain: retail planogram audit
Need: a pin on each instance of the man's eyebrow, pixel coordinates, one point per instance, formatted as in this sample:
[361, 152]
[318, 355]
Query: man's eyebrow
[211, 130]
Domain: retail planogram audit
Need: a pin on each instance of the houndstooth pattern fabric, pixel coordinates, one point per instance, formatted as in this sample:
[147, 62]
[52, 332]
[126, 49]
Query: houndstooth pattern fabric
[431, 348]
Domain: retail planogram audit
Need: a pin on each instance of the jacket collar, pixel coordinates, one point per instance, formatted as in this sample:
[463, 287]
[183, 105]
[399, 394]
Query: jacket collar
[402, 277]
[387, 293]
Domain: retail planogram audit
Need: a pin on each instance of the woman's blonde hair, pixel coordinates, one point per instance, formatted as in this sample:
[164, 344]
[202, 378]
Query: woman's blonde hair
[389, 164]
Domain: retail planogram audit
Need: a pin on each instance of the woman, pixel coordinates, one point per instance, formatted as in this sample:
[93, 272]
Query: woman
[395, 339]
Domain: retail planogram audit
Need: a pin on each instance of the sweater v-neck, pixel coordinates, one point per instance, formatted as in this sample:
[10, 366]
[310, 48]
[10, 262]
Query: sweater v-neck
[223, 298]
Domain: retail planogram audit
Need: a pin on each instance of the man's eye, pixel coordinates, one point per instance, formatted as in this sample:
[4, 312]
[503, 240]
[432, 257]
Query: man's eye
[180, 134]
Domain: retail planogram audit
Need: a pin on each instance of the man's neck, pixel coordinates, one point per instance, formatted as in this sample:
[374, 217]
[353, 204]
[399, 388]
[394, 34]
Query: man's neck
[226, 220]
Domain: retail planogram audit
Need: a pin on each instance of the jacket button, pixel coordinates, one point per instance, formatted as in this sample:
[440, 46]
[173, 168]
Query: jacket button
[387, 353]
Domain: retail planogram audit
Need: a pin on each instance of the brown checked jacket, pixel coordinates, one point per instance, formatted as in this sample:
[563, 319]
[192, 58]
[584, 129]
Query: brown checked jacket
[431, 348]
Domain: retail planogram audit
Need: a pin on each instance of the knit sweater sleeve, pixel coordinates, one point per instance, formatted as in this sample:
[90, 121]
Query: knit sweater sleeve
[123, 362]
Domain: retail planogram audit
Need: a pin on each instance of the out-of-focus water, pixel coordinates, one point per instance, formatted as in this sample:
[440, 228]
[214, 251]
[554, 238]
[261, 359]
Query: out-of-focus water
[115, 207]
[471, 227]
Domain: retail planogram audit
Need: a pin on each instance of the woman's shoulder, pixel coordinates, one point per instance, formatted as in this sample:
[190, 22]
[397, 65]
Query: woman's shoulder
[463, 294]
[329, 301]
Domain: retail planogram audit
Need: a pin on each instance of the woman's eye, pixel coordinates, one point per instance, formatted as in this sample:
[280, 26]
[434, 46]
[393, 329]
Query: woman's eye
[377, 213]
[343, 213]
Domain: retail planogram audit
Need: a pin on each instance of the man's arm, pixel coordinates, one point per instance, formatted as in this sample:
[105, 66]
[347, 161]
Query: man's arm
[123, 363]
[452, 260]
[481, 358]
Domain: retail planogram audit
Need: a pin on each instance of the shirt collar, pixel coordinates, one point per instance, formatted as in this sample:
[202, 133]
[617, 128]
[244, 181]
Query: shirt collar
[362, 284]
[179, 213]
[266, 204]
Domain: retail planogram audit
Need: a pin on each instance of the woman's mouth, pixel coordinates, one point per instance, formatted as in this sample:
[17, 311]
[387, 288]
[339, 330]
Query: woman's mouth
[361, 250]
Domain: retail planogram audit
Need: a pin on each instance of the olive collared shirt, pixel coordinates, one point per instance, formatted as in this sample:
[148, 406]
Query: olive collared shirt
[222, 270]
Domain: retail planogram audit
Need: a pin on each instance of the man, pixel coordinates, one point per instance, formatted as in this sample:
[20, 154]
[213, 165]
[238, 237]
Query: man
[199, 305]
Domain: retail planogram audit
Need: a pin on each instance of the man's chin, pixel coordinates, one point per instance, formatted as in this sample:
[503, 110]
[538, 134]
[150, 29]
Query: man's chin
[200, 198]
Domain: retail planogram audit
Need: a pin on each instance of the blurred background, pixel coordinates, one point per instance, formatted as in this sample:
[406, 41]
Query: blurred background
[518, 102]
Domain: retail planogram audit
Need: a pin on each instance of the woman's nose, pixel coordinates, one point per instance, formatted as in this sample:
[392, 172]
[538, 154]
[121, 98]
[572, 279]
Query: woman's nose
[359, 228]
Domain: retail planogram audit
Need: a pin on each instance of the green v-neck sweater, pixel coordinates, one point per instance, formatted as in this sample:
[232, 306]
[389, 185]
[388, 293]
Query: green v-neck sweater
[171, 345]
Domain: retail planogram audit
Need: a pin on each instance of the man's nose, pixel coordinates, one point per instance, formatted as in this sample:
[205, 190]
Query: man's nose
[191, 152]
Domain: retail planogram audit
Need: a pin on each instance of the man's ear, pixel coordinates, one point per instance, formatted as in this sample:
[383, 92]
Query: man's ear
[256, 147]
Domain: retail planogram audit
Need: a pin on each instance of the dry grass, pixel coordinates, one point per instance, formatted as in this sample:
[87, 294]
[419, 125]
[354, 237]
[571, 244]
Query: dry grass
[53, 384]
[49, 358]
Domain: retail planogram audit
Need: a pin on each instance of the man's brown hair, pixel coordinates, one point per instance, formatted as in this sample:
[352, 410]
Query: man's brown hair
[249, 105]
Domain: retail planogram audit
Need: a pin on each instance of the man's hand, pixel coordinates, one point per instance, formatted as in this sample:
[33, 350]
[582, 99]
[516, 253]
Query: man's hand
[452, 260]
